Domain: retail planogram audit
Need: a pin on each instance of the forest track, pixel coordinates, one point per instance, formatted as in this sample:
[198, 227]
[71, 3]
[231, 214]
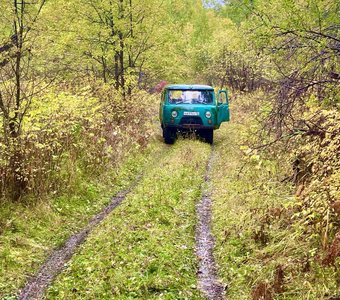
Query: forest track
[208, 282]
[36, 286]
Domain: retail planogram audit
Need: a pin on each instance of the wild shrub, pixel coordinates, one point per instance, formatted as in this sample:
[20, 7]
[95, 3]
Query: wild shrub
[277, 210]
[66, 136]
[308, 158]
[317, 175]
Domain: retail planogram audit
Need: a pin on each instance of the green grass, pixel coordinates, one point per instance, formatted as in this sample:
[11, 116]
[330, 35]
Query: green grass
[251, 240]
[29, 232]
[145, 248]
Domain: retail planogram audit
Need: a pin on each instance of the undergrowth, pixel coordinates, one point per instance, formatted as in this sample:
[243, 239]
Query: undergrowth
[78, 153]
[67, 136]
[269, 240]
[30, 232]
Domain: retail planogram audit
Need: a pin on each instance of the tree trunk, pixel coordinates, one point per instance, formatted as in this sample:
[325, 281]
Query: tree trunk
[104, 69]
[121, 49]
[121, 63]
[130, 60]
[16, 159]
[116, 62]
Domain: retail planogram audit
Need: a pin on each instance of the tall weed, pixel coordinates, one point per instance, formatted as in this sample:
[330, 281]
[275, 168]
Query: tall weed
[68, 136]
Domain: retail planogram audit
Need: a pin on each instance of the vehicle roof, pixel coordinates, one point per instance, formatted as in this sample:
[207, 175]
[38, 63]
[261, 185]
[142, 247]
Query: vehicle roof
[188, 87]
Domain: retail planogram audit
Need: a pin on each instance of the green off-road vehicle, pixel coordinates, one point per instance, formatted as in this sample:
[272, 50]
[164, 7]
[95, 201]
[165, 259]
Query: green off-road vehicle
[193, 108]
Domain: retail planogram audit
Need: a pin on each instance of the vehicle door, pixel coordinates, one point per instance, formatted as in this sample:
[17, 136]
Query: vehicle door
[222, 107]
[161, 105]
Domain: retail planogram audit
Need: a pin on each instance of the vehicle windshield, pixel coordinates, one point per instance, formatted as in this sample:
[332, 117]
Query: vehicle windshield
[190, 97]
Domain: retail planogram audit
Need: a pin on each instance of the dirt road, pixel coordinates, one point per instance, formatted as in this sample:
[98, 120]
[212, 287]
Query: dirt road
[152, 241]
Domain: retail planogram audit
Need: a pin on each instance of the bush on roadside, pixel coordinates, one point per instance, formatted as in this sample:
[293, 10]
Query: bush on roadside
[66, 135]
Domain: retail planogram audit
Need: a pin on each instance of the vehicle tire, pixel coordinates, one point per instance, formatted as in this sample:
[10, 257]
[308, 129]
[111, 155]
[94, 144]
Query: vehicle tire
[208, 136]
[169, 135]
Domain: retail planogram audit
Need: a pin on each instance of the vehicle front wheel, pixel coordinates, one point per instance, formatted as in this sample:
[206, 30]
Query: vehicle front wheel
[207, 135]
[169, 135]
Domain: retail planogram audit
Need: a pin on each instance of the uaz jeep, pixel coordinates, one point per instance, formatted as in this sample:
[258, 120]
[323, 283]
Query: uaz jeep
[192, 108]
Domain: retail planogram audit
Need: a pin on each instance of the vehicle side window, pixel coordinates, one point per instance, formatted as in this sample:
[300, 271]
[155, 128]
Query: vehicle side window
[222, 98]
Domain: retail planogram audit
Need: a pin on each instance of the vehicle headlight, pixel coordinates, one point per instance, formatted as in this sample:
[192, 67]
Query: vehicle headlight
[174, 114]
[208, 114]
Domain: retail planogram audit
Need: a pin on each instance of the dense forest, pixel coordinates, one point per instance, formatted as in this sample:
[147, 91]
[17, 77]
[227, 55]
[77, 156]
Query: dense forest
[80, 84]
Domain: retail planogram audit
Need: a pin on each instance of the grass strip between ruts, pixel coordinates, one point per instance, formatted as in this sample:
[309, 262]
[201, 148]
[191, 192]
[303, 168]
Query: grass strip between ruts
[145, 248]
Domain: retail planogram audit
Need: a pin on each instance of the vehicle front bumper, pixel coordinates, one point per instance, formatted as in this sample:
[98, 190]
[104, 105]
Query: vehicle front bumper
[188, 126]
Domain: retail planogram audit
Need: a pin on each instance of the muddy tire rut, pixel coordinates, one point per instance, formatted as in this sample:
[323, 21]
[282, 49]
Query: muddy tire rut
[37, 285]
[208, 282]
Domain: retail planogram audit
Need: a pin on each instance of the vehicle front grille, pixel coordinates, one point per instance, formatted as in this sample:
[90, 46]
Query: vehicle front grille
[191, 120]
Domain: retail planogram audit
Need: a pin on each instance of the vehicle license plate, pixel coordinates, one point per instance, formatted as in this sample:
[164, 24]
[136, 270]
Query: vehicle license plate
[191, 113]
